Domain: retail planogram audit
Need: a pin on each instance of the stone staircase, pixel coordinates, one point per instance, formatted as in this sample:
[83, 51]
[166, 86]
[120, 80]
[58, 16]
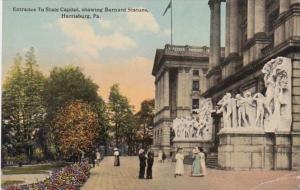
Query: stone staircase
[212, 161]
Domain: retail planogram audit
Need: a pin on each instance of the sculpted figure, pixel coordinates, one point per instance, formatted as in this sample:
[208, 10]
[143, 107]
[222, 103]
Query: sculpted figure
[270, 84]
[222, 110]
[240, 101]
[229, 110]
[260, 109]
[234, 112]
[250, 108]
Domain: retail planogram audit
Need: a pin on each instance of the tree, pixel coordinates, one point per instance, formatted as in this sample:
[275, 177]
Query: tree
[120, 113]
[12, 104]
[23, 106]
[67, 84]
[145, 121]
[76, 127]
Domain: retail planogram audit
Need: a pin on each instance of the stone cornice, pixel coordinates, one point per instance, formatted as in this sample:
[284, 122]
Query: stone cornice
[179, 53]
[231, 57]
[161, 121]
[258, 37]
[183, 108]
[213, 2]
[285, 15]
[165, 108]
[214, 70]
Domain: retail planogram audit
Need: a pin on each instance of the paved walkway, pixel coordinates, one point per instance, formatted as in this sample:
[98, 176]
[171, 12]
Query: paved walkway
[108, 177]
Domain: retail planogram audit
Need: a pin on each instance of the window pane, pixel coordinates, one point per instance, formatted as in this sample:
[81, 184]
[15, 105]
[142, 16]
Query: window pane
[195, 85]
[195, 104]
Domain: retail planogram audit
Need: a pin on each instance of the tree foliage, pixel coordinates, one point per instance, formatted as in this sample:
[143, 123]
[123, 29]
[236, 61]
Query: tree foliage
[67, 84]
[23, 110]
[145, 123]
[120, 115]
[76, 127]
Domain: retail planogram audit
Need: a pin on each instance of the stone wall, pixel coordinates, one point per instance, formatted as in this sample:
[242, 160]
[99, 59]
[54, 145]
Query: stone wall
[296, 113]
[248, 151]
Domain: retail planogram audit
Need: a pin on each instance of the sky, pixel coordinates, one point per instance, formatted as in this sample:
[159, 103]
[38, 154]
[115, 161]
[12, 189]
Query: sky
[117, 48]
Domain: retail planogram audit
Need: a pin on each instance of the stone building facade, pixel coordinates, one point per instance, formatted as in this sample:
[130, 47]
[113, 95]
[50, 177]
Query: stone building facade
[180, 78]
[257, 31]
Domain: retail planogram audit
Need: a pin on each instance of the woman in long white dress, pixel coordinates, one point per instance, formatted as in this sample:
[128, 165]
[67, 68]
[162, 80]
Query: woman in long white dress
[117, 157]
[202, 162]
[160, 156]
[179, 170]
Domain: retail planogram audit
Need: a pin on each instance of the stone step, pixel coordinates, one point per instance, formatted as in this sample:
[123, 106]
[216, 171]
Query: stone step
[212, 161]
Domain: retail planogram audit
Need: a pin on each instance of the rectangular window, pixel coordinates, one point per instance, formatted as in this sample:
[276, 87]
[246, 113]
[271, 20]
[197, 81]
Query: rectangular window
[195, 85]
[195, 104]
[195, 72]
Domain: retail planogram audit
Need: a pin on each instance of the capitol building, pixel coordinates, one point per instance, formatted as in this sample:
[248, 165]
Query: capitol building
[241, 102]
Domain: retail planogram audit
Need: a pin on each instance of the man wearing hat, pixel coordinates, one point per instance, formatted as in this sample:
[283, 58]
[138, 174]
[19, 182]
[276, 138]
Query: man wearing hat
[117, 157]
[142, 159]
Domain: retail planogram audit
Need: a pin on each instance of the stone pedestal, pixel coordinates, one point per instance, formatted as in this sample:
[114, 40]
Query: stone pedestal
[295, 162]
[250, 150]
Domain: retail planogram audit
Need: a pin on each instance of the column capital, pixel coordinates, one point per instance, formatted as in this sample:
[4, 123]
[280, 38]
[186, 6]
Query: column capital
[211, 3]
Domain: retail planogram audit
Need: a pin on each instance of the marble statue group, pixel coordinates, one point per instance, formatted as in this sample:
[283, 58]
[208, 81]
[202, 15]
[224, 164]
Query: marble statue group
[197, 126]
[272, 111]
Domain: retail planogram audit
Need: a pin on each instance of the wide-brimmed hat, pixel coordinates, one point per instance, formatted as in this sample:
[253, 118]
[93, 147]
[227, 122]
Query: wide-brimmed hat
[116, 149]
[141, 151]
[196, 150]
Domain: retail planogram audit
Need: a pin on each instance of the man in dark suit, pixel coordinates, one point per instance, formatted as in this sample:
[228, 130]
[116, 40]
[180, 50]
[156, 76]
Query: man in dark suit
[142, 159]
[150, 160]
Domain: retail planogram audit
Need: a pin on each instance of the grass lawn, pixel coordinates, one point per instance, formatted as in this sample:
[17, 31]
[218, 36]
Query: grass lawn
[33, 169]
[10, 182]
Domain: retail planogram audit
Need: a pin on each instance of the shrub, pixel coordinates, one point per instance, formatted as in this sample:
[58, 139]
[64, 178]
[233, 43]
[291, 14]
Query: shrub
[70, 177]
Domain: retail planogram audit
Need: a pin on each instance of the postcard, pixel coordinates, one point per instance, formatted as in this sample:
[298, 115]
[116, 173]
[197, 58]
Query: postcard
[140, 94]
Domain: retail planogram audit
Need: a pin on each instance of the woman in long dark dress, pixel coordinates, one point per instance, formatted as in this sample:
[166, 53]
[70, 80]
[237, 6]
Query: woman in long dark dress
[150, 160]
[142, 159]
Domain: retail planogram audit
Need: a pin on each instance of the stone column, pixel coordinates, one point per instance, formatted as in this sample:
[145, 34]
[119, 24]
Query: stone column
[179, 90]
[159, 94]
[279, 33]
[166, 88]
[156, 97]
[284, 5]
[250, 19]
[163, 90]
[234, 24]
[185, 87]
[215, 32]
[188, 86]
[260, 16]
[227, 29]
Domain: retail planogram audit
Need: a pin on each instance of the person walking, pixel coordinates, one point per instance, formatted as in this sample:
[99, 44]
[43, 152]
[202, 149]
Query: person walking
[202, 161]
[179, 169]
[142, 159]
[160, 154]
[163, 157]
[150, 160]
[98, 157]
[92, 158]
[117, 157]
[196, 163]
